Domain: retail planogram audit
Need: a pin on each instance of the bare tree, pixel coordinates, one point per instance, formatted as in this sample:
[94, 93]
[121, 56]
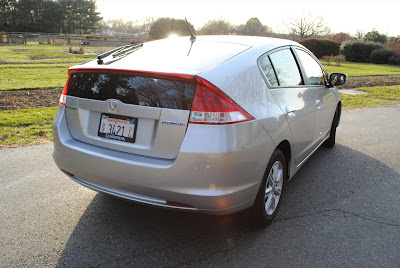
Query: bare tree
[218, 26]
[145, 23]
[305, 26]
[359, 34]
[120, 27]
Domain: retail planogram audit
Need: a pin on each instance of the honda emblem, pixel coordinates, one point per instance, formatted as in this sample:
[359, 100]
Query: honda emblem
[113, 106]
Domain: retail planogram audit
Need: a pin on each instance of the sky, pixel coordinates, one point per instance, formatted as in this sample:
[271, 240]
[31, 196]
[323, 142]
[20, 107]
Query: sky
[341, 15]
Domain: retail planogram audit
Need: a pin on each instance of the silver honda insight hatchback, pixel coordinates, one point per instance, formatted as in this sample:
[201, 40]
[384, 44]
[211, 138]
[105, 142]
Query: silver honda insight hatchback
[215, 124]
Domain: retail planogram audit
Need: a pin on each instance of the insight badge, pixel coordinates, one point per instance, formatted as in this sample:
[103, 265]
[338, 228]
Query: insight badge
[172, 123]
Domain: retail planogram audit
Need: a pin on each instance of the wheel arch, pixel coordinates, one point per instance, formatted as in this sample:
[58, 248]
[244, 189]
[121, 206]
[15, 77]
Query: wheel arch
[285, 148]
[339, 106]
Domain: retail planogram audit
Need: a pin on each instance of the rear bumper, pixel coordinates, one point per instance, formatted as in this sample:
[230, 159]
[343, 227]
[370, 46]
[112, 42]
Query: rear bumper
[218, 175]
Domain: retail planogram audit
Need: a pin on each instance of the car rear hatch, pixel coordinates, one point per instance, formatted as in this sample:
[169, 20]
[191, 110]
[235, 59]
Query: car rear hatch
[135, 112]
[148, 93]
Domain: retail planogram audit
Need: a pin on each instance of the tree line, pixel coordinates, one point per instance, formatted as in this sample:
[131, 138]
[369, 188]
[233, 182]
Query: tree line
[49, 16]
[163, 27]
[81, 17]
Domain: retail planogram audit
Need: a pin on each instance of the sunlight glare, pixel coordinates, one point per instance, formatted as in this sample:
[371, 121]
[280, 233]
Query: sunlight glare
[172, 35]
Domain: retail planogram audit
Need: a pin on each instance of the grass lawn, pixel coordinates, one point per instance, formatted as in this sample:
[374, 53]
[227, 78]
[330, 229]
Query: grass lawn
[377, 96]
[33, 78]
[32, 53]
[35, 66]
[362, 69]
[26, 126]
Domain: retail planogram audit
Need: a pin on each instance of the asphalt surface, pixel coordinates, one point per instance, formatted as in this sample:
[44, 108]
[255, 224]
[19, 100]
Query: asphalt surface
[342, 209]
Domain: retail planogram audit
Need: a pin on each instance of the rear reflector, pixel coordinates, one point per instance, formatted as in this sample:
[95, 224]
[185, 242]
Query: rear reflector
[63, 96]
[212, 106]
[177, 204]
[70, 174]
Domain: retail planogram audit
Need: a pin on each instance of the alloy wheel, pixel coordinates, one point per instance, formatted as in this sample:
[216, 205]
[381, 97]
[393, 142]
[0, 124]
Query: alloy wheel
[273, 188]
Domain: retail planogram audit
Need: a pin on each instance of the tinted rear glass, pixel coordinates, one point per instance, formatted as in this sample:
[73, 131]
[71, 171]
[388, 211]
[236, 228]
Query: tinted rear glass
[131, 89]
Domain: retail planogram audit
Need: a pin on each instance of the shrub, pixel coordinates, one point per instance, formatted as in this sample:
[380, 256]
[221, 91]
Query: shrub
[321, 48]
[375, 36]
[381, 56]
[76, 50]
[395, 59]
[339, 37]
[393, 45]
[358, 51]
[337, 59]
[394, 39]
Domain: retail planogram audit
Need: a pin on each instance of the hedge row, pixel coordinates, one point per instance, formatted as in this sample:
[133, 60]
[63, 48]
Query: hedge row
[321, 48]
[353, 50]
[358, 51]
[385, 56]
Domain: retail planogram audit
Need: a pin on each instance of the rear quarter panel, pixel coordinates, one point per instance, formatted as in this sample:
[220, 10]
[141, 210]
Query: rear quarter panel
[241, 79]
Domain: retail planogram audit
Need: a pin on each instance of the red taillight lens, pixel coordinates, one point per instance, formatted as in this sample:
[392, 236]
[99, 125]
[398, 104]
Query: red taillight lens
[177, 204]
[63, 96]
[212, 106]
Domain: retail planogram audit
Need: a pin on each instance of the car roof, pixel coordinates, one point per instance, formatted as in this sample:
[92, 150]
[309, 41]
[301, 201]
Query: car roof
[246, 40]
[179, 55]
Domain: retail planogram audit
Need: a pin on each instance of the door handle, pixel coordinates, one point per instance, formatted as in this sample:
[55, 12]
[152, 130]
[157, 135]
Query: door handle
[290, 111]
[318, 104]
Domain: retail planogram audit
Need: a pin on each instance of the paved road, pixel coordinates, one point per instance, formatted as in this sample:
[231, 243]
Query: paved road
[341, 209]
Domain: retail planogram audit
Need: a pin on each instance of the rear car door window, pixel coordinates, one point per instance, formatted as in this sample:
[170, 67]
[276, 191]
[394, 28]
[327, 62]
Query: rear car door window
[268, 70]
[313, 71]
[286, 69]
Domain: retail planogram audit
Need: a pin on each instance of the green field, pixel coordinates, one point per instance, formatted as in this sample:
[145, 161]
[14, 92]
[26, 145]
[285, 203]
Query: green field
[31, 53]
[45, 66]
[35, 66]
[26, 126]
[36, 78]
[362, 69]
[377, 96]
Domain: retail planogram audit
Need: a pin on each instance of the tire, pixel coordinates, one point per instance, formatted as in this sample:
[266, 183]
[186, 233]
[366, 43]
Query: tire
[269, 195]
[331, 141]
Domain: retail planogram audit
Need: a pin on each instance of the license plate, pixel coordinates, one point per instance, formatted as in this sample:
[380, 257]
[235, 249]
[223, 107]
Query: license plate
[117, 127]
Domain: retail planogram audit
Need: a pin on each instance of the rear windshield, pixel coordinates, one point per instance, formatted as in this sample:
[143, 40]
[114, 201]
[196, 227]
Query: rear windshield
[130, 89]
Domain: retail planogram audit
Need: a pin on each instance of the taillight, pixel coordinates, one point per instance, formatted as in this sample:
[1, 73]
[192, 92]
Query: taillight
[63, 96]
[212, 106]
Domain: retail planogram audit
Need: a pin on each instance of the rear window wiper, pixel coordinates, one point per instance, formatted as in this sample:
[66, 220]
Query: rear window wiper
[118, 52]
[127, 50]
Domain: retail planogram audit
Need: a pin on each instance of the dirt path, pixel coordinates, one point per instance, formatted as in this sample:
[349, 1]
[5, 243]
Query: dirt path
[13, 99]
[371, 81]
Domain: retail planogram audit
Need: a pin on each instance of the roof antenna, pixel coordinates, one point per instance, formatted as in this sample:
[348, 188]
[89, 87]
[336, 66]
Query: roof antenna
[192, 36]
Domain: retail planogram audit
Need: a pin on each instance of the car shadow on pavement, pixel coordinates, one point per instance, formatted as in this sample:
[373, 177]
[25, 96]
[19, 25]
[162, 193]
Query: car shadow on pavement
[118, 233]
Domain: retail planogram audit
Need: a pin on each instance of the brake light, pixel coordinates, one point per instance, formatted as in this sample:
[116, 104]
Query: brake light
[212, 106]
[63, 96]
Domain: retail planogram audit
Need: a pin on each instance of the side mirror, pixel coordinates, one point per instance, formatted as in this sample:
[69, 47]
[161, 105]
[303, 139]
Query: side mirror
[337, 79]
